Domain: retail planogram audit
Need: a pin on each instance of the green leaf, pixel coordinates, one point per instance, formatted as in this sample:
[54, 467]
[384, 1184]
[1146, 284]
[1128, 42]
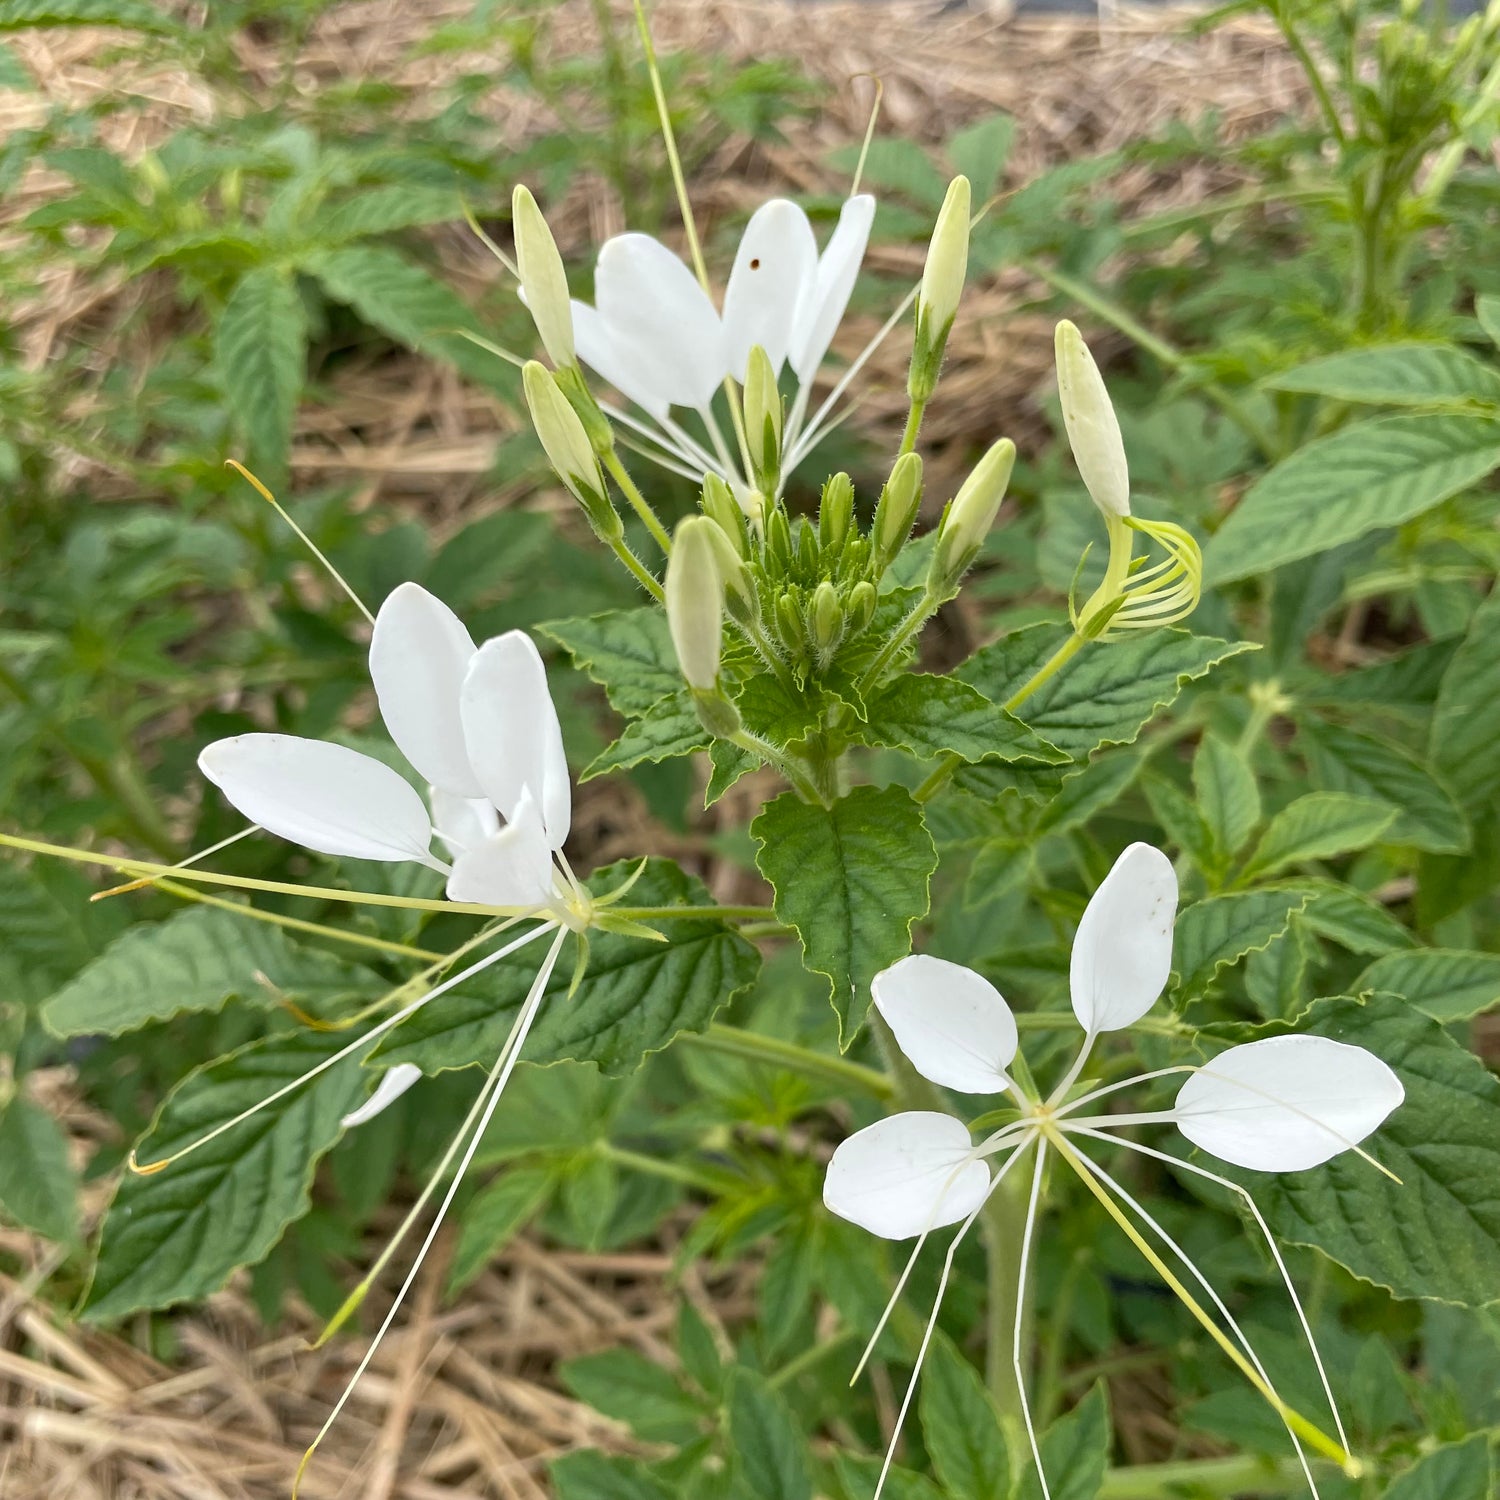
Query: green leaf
[1408, 374]
[196, 960]
[860, 1475]
[1447, 983]
[1075, 1453]
[635, 997]
[1487, 310]
[591, 1475]
[134, 15]
[961, 1427]
[1466, 720]
[931, 715]
[980, 151]
[1436, 1233]
[1318, 826]
[1107, 694]
[37, 1185]
[260, 346]
[1228, 798]
[1095, 786]
[14, 74]
[494, 1217]
[628, 652]
[179, 1233]
[1350, 918]
[1221, 930]
[1343, 760]
[1363, 478]
[770, 1452]
[851, 879]
[381, 210]
[668, 728]
[1461, 1471]
[51, 928]
[633, 1389]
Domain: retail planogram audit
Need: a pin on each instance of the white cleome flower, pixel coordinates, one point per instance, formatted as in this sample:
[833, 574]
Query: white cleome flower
[1281, 1104]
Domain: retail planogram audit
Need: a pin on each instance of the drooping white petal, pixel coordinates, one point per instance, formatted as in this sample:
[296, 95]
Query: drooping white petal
[1122, 952]
[419, 653]
[1286, 1103]
[462, 822]
[511, 730]
[323, 796]
[828, 294]
[775, 265]
[950, 1022]
[393, 1083]
[653, 306]
[906, 1174]
[630, 374]
[510, 868]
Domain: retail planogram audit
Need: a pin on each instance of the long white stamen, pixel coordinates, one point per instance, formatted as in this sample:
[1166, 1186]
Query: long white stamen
[500, 1076]
[359, 1043]
[182, 864]
[1020, 1374]
[1119, 1191]
[937, 1303]
[669, 436]
[661, 459]
[716, 437]
[1245, 1196]
[1123, 1083]
[1071, 1076]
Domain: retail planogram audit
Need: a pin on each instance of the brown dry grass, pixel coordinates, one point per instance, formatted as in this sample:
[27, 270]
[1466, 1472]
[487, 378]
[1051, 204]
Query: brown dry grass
[461, 1401]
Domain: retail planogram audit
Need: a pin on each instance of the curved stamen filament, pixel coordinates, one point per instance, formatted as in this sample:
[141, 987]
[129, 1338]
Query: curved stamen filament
[182, 864]
[1015, 1352]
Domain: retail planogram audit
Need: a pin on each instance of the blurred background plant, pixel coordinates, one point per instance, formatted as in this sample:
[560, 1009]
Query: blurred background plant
[238, 231]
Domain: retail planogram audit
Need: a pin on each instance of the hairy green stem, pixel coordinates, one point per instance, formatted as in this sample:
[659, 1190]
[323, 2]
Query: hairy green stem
[642, 507]
[637, 569]
[913, 427]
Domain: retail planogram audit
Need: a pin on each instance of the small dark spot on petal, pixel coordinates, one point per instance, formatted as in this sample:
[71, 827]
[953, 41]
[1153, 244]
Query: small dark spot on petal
[755, 263]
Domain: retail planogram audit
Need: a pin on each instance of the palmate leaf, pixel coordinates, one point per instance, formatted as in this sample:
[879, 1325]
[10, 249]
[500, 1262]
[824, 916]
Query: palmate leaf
[260, 346]
[635, 997]
[181, 1232]
[196, 960]
[851, 879]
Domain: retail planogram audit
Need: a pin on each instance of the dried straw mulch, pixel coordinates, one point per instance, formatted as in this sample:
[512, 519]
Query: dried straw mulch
[461, 1401]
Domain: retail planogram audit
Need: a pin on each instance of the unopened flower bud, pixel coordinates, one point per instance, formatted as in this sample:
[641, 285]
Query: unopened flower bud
[720, 505]
[717, 714]
[862, 601]
[789, 625]
[826, 617]
[763, 417]
[969, 516]
[835, 511]
[897, 510]
[740, 597]
[807, 546]
[779, 537]
[544, 283]
[568, 449]
[695, 602]
[942, 286]
[1093, 430]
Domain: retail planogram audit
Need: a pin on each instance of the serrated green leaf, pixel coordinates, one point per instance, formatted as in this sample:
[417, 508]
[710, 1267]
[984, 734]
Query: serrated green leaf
[980, 152]
[1447, 983]
[930, 715]
[1350, 918]
[51, 928]
[196, 960]
[1407, 374]
[770, 1452]
[729, 763]
[1221, 930]
[1228, 798]
[670, 727]
[1365, 477]
[37, 1186]
[260, 346]
[382, 210]
[180, 1233]
[628, 652]
[1343, 760]
[1460, 1471]
[1487, 310]
[635, 997]
[851, 879]
[492, 1218]
[1318, 826]
[1075, 1453]
[860, 1475]
[1466, 718]
[961, 1428]
[590, 1475]
[133, 15]
[1096, 785]
[633, 1389]
[1107, 694]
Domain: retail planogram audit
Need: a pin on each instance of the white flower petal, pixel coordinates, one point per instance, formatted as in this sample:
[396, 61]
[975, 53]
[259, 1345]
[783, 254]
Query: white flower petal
[906, 1174]
[510, 868]
[633, 377]
[828, 293]
[419, 653]
[653, 306]
[775, 265]
[1286, 1103]
[950, 1022]
[1122, 952]
[461, 822]
[511, 729]
[393, 1083]
[322, 796]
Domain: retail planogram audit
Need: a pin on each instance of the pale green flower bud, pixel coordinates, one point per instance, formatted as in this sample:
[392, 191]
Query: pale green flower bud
[789, 625]
[1093, 430]
[695, 602]
[836, 511]
[740, 597]
[779, 537]
[862, 601]
[897, 510]
[763, 418]
[969, 516]
[568, 448]
[543, 279]
[720, 505]
[942, 286]
[827, 617]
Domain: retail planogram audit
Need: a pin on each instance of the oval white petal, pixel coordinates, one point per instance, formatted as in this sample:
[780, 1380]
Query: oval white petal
[511, 730]
[393, 1083]
[951, 1023]
[510, 868]
[325, 797]
[776, 263]
[633, 377]
[906, 1174]
[461, 822]
[1286, 1103]
[419, 652]
[1122, 952]
[653, 306]
[828, 293]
